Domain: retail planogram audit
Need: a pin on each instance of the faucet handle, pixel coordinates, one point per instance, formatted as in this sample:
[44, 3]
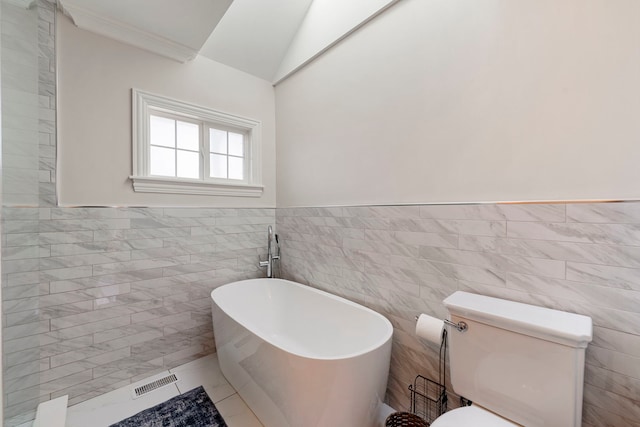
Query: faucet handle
[263, 263]
[277, 245]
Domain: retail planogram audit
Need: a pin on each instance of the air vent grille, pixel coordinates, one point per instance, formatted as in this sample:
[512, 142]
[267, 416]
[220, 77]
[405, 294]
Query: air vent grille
[154, 385]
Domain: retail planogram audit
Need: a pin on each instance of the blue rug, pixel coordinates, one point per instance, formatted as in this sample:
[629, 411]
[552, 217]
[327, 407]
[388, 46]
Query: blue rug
[193, 408]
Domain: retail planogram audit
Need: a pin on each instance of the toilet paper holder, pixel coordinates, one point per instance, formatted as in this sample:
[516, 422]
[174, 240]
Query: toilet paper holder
[460, 326]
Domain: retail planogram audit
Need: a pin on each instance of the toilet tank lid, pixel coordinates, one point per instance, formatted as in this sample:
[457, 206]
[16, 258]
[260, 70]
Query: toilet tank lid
[570, 329]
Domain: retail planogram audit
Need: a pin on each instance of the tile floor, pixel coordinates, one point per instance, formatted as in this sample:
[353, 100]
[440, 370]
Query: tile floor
[117, 405]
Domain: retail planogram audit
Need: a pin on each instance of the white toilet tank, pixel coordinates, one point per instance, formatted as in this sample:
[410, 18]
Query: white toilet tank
[523, 362]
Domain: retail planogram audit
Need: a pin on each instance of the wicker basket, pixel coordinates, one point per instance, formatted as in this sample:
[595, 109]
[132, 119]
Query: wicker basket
[405, 419]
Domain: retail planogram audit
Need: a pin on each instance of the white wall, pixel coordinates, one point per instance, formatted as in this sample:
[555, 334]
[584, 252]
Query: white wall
[468, 100]
[326, 22]
[95, 77]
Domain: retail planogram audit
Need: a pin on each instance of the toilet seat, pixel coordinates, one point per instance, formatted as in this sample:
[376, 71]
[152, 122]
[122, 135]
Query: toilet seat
[474, 416]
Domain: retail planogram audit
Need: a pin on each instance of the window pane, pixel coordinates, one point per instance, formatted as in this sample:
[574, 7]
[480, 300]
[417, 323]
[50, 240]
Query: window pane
[163, 161]
[188, 136]
[162, 131]
[188, 164]
[218, 141]
[236, 168]
[236, 144]
[218, 166]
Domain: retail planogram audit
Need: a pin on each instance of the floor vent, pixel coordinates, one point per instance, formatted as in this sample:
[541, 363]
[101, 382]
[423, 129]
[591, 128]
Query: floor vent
[154, 385]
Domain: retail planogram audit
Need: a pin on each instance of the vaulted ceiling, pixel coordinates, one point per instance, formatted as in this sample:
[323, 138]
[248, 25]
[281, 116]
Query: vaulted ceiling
[259, 37]
[176, 29]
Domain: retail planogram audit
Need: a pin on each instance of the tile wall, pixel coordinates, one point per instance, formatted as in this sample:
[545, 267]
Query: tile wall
[28, 104]
[404, 260]
[95, 298]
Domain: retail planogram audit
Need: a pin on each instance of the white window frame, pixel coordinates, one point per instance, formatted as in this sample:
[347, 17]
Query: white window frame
[144, 104]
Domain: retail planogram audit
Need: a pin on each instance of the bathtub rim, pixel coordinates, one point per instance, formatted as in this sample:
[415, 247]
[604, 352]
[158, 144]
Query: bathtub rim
[386, 336]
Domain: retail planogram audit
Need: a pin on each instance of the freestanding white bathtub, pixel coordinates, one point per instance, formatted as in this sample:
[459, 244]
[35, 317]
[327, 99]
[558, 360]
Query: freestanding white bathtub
[301, 357]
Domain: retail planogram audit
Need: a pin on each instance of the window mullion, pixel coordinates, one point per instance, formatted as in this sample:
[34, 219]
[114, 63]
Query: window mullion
[175, 145]
[204, 150]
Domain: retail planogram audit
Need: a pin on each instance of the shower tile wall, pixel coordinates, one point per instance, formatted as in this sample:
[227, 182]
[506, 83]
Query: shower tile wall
[404, 260]
[95, 298]
[28, 104]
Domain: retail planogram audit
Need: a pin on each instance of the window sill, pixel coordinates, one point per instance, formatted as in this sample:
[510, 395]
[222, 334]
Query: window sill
[154, 184]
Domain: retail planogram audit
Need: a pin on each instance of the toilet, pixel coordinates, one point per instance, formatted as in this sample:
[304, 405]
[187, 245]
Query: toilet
[520, 364]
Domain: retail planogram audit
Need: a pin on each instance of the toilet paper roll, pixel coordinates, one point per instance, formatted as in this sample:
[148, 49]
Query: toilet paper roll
[429, 328]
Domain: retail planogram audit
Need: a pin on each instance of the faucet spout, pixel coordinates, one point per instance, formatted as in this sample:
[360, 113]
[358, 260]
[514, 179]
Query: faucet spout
[271, 258]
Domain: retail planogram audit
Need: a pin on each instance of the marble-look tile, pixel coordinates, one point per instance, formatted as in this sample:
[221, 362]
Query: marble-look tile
[499, 250]
[105, 280]
[22, 413]
[616, 340]
[204, 372]
[46, 388]
[614, 255]
[46, 350]
[84, 224]
[595, 295]
[65, 273]
[20, 265]
[78, 260]
[387, 248]
[614, 382]
[381, 211]
[105, 213]
[542, 267]
[169, 303]
[25, 291]
[24, 330]
[21, 239]
[628, 408]
[155, 223]
[236, 413]
[32, 381]
[197, 212]
[619, 277]
[131, 367]
[83, 328]
[104, 246]
[614, 361]
[93, 316]
[52, 238]
[496, 212]
[118, 267]
[598, 416]
[26, 368]
[605, 213]
[93, 388]
[162, 316]
[47, 313]
[613, 234]
[117, 405]
[226, 229]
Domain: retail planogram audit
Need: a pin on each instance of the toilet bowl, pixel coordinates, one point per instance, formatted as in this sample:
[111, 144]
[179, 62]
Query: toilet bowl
[471, 416]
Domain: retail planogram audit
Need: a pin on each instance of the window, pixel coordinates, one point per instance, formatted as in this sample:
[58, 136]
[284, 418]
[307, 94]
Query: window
[183, 148]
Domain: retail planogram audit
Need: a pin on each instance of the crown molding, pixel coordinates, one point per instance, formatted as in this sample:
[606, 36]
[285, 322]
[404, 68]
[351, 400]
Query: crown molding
[108, 27]
[23, 4]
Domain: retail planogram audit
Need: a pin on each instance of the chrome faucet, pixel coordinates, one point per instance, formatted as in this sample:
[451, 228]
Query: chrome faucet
[271, 258]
